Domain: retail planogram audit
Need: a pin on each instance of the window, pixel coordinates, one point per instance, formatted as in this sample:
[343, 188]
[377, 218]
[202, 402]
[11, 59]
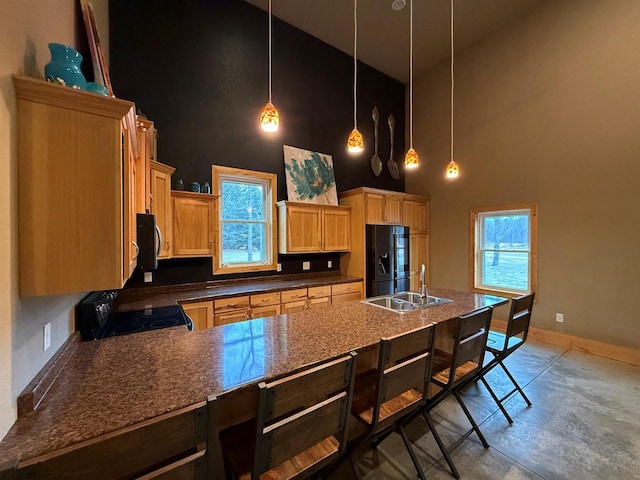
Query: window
[245, 213]
[504, 251]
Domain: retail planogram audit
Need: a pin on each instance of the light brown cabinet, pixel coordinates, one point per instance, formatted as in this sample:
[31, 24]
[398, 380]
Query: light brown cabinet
[416, 217]
[201, 313]
[383, 208]
[160, 204]
[265, 305]
[193, 217]
[76, 208]
[345, 292]
[309, 228]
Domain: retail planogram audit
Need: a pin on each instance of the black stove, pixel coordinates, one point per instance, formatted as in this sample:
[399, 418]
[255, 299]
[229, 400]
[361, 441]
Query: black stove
[96, 317]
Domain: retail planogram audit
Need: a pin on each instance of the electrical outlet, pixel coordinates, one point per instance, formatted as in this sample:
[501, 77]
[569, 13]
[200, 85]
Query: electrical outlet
[47, 336]
[306, 265]
[560, 317]
[329, 264]
[148, 277]
[279, 267]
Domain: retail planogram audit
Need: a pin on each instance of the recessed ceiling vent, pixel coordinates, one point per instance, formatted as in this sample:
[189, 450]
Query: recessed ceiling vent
[398, 4]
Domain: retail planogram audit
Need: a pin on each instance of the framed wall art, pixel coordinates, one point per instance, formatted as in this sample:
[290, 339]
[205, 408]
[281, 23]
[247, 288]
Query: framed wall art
[310, 176]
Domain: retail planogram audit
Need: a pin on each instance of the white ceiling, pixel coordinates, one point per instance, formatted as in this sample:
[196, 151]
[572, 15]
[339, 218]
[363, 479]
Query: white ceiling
[383, 34]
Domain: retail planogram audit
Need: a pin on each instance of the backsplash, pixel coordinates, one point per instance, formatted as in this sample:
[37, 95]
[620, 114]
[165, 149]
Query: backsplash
[177, 271]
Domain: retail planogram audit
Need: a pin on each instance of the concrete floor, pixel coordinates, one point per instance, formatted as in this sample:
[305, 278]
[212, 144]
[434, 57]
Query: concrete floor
[584, 424]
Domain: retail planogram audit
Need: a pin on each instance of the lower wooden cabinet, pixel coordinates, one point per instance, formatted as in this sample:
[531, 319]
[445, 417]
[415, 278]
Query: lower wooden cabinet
[346, 292]
[266, 311]
[201, 313]
[231, 310]
[265, 305]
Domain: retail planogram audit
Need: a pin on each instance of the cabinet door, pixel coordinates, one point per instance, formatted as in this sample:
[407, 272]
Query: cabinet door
[192, 226]
[393, 210]
[336, 230]
[292, 307]
[347, 288]
[319, 302]
[346, 297]
[266, 311]
[374, 208]
[230, 316]
[419, 254]
[415, 215]
[160, 203]
[303, 229]
[201, 313]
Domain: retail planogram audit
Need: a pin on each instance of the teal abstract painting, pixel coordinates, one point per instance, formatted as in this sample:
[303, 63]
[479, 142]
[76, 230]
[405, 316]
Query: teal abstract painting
[310, 176]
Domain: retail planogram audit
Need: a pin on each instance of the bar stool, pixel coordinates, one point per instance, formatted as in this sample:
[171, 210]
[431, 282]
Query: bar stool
[383, 397]
[300, 426]
[452, 371]
[501, 345]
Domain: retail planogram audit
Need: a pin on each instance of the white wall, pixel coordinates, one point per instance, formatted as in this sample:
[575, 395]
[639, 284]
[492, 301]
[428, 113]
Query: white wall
[547, 111]
[26, 27]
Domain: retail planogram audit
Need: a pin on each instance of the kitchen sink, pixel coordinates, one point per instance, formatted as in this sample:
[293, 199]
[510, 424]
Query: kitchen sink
[406, 302]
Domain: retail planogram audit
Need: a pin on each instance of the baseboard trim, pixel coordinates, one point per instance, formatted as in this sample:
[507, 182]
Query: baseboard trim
[33, 394]
[594, 347]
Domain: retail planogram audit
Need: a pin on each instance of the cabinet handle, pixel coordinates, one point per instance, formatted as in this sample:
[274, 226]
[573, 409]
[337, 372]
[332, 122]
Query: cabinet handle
[137, 247]
[160, 241]
[232, 305]
[168, 245]
[264, 300]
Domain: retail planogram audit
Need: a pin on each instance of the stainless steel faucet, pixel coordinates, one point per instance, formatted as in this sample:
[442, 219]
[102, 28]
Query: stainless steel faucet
[423, 281]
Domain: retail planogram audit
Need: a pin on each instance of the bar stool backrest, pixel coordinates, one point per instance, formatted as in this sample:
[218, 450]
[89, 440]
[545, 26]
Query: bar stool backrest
[519, 317]
[405, 364]
[301, 410]
[470, 344]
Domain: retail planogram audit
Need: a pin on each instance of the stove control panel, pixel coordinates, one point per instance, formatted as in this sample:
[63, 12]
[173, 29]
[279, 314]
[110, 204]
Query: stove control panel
[93, 312]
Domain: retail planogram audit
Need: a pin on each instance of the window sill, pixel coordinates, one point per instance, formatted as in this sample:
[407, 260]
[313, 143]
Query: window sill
[500, 293]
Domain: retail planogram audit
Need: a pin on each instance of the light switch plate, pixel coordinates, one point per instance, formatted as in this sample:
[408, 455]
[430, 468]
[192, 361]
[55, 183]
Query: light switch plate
[148, 277]
[329, 264]
[279, 267]
[306, 265]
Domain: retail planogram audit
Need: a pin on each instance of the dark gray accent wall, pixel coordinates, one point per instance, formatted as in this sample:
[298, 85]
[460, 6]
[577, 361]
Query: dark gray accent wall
[199, 70]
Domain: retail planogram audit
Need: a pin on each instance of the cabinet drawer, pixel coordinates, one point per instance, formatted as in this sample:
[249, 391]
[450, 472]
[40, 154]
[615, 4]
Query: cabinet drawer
[263, 299]
[319, 302]
[345, 297]
[233, 302]
[293, 295]
[346, 288]
[317, 292]
[231, 315]
[292, 307]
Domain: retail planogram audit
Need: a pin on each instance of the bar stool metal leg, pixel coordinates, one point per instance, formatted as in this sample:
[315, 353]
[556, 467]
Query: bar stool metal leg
[443, 449]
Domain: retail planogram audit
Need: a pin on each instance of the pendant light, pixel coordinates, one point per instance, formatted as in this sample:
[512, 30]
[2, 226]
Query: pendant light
[411, 159]
[355, 143]
[452, 170]
[269, 117]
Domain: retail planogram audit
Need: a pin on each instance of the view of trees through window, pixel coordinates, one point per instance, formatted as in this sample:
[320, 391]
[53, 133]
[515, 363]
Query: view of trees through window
[504, 250]
[243, 220]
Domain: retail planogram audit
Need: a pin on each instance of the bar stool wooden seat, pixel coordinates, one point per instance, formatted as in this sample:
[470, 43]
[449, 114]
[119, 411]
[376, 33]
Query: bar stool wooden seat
[452, 371]
[383, 397]
[501, 345]
[300, 426]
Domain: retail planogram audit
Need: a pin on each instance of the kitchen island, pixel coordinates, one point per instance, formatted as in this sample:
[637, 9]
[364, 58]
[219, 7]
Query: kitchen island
[111, 384]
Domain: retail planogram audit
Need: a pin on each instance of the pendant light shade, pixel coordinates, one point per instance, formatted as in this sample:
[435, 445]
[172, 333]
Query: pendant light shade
[452, 170]
[355, 142]
[269, 117]
[411, 159]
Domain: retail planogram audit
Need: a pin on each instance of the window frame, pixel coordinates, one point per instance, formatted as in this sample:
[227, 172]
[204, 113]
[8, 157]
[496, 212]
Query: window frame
[221, 173]
[474, 243]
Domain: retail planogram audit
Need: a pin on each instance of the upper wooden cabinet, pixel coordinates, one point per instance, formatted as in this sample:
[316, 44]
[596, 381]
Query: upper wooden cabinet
[415, 215]
[75, 175]
[193, 218]
[160, 204]
[382, 208]
[310, 228]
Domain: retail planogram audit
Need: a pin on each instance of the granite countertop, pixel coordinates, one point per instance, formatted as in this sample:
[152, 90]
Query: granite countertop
[117, 382]
[162, 297]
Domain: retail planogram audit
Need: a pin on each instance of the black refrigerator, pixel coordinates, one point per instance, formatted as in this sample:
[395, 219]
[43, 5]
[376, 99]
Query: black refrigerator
[387, 259]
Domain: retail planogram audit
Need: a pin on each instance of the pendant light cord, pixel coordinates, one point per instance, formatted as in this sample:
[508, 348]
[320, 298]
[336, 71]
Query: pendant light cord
[411, 74]
[355, 63]
[452, 54]
[270, 51]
